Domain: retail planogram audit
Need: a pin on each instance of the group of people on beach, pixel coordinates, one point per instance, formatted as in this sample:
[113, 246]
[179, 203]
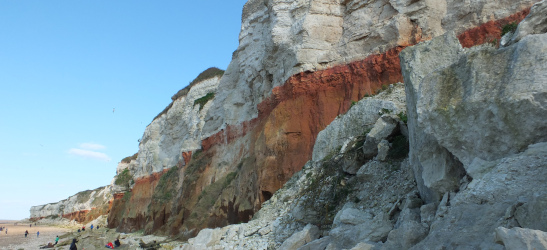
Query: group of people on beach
[37, 233]
[4, 229]
[108, 245]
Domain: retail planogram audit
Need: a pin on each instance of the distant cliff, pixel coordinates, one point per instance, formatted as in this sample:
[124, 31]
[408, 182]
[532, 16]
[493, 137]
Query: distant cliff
[82, 207]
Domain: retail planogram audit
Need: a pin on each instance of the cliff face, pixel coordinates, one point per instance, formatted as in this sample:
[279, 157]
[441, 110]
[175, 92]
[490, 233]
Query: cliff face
[471, 175]
[82, 207]
[299, 65]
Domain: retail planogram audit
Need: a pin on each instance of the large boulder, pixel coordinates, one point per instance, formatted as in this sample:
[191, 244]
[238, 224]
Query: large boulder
[490, 201]
[361, 118]
[467, 106]
[308, 234]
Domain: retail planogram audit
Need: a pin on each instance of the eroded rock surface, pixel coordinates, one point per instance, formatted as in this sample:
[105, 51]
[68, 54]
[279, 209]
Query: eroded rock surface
[471, 170]
[473, 105]
[300, 64]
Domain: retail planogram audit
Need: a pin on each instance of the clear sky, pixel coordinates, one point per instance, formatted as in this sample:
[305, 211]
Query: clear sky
[81, 80]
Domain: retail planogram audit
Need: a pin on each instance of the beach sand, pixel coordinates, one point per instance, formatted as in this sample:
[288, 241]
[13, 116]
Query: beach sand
[15, 238]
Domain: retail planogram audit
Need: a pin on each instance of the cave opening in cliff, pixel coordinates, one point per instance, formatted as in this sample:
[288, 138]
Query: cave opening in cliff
[266, 195]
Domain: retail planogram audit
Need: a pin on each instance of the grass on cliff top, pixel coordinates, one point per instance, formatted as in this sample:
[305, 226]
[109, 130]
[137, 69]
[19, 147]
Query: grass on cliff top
[207, 74]
[130, 158]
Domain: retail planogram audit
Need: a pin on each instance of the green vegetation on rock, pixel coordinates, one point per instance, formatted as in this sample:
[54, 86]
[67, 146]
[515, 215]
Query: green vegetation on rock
[83, 196]
[510, 27]
[203, 100]
[130, 158]
[124, 178]
[166, 186]
[207, 74]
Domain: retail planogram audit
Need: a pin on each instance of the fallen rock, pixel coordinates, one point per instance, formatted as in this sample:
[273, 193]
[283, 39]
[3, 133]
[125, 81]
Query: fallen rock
[383, 128]
[308, 234]
[383, 149]
[521, 238]
[359, 119]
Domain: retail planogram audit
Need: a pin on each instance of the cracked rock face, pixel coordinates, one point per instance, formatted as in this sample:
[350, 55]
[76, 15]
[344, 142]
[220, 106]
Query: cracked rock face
[472, 105]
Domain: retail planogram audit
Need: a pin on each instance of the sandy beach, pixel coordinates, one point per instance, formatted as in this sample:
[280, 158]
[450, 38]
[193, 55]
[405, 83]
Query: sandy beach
[15, 238]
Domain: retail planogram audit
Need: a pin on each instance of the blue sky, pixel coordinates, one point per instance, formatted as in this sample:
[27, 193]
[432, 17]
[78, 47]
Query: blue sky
[66, 65]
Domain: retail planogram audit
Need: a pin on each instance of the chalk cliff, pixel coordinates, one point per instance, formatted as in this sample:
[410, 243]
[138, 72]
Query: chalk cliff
[81, 207]
[300, 65]
[472, 176]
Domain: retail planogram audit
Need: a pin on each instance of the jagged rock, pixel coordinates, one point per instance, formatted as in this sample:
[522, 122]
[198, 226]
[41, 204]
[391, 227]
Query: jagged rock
[383, 128]
[433, 165]
[446, 101]
[521, 238]
[321, 243]
[351, 215]
[363, 246]
[476, 211]
[406, 235]
[534, 23]
[373, 228]
[533, 213]
[308, 234]
[360, 118]
[206, 238]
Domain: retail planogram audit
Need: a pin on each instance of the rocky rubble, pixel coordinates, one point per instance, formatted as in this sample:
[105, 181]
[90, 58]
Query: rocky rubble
[326, 205]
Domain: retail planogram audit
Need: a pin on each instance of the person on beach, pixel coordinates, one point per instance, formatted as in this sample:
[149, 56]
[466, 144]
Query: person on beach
[73, 245]
[37, 234]
[91, 227]
[57, 240]
[26, 233]
[6, 231]
[117, 242]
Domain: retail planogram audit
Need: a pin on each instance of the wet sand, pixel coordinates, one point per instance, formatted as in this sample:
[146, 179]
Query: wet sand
[15, 238]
